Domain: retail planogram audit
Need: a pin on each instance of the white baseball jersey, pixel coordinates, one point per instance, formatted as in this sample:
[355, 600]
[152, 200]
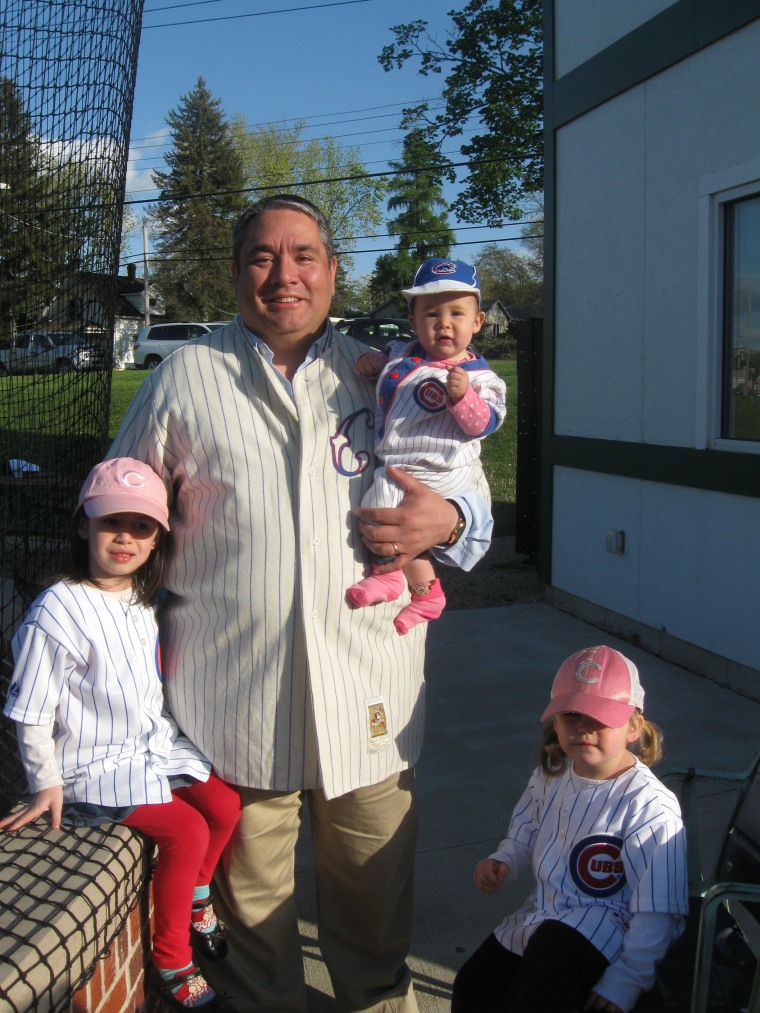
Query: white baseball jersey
[599, 851]
[88, 661]
[268, 670]
[414, 429]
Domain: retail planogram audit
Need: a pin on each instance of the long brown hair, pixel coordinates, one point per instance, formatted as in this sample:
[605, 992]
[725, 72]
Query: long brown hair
[647, 747]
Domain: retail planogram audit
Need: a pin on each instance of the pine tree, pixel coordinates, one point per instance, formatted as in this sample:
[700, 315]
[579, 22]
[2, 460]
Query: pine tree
[199, 199]
[421, 224]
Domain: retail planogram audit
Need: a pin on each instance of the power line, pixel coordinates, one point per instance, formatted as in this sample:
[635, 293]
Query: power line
[311, 116]
[348, 253]
[255, 14]
[334, 179]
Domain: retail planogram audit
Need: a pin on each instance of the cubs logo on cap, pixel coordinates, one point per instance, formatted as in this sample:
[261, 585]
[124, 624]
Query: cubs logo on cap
[442, 275]
[600, 682]
[124, 485]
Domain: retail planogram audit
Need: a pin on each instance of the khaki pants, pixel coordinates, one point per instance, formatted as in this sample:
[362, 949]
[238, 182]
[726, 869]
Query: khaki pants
[364, 846]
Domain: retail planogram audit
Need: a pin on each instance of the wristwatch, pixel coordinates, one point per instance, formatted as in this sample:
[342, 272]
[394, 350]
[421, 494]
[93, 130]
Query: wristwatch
[458, 529]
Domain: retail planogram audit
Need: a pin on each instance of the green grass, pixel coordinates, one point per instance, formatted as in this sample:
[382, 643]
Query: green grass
[499, 454]
[499, 450]
[123, 386]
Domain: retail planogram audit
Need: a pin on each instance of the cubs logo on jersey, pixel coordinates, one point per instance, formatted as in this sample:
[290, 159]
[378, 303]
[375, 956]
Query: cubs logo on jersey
[431, 395]
[596, 865]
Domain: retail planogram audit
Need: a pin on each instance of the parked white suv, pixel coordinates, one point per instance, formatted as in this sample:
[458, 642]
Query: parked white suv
[156, 341]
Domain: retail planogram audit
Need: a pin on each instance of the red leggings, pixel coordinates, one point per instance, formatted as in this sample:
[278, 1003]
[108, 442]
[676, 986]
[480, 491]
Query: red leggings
[191, 832]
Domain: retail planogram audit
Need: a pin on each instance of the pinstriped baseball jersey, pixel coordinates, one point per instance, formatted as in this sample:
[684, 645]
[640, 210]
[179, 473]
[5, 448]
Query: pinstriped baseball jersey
[88, 660]
[268, 670]
[599, 851]
[414, 429]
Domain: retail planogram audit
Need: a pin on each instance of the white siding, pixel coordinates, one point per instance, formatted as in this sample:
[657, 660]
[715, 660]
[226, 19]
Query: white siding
[632, 346]
[690, 564]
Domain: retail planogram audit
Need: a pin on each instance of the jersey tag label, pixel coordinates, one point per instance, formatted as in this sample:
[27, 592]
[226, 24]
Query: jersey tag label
[377, 725]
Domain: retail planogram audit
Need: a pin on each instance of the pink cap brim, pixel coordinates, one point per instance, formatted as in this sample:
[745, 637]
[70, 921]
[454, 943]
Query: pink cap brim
[609, 712]
[127, 503]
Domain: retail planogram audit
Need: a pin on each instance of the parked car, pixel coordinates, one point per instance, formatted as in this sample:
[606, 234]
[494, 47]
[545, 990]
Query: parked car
[156, 341]
[377, 331]
[50, 352]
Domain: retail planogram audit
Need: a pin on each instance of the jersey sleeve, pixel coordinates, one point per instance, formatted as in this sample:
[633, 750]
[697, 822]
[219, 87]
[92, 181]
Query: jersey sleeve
[472, 413]
[655, 858]
[493, 391]
[42, 664]
[646, 942]
[516, 850]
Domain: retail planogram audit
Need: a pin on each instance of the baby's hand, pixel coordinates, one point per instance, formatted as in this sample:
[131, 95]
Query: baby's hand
[489, 875]
[369, 364]
[457, 383]
[49, 799]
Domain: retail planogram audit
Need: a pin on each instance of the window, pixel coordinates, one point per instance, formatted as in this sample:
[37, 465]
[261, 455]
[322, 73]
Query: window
[741, 320]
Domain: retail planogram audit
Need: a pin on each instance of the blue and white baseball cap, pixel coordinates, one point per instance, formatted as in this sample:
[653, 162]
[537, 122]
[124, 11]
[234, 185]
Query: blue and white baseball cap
[441, 275]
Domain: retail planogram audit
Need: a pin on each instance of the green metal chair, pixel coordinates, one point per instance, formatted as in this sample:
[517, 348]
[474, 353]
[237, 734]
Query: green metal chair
[714, 966]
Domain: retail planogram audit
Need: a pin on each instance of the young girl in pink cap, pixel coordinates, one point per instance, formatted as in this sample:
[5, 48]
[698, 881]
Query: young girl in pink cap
[95, 740]
[605, 844]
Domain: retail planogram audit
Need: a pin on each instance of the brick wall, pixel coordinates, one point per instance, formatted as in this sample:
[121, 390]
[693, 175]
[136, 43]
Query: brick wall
[117, 983]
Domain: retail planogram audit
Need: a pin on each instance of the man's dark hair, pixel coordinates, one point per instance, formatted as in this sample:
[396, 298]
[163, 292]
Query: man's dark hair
[280, 202]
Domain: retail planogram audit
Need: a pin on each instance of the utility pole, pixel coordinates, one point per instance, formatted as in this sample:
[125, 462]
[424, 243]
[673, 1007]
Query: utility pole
[146, 275]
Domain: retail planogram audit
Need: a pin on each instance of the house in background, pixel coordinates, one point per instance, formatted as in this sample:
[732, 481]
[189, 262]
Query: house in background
[497, 319]
[82, 306]
[650, 453]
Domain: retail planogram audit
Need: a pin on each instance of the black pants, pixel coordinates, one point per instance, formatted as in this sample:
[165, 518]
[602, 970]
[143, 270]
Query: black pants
[555, 974]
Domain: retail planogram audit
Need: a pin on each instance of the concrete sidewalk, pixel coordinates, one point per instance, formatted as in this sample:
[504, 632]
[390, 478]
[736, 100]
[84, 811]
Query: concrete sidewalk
[489, 672]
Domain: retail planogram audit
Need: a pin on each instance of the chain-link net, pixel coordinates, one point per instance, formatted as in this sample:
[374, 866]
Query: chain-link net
[67, 71]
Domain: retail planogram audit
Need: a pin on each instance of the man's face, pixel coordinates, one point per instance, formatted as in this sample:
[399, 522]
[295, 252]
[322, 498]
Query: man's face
[284, 280]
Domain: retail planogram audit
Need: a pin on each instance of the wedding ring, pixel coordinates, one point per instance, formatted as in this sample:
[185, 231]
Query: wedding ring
[395, 549]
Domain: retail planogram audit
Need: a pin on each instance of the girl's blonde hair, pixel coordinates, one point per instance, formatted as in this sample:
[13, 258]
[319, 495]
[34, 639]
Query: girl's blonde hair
[647, 747]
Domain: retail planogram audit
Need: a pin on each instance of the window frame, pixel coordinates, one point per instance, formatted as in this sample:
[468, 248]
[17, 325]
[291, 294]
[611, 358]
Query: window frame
[716, 192]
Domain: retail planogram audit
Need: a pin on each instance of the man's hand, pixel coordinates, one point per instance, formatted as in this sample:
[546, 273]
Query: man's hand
[422, 520]
[49, 799]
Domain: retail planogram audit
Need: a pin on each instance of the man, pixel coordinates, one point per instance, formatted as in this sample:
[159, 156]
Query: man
[263, 435]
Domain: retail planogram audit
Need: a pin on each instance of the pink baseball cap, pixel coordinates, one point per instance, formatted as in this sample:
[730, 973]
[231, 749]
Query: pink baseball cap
[123, 485]
[600, 682]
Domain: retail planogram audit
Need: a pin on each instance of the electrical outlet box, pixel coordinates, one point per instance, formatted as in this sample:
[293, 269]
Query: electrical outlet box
[615, 542]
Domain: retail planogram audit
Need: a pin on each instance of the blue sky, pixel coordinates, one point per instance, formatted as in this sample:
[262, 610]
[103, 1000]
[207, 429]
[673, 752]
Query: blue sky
[310, 60]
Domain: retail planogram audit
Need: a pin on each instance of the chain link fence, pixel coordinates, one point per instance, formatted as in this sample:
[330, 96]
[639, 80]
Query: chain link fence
[67, 72]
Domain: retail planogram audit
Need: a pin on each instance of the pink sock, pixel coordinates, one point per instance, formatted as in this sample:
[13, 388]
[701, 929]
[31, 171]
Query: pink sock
[376, 588]
[422, 608]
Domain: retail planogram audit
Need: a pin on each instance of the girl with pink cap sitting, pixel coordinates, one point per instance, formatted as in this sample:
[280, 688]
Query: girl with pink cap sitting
[604, 842]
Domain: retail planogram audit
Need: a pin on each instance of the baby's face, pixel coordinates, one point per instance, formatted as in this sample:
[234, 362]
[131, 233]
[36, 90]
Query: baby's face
[445, 323]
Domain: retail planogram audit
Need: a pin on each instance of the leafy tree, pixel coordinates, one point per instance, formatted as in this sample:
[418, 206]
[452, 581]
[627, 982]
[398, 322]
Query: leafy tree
[200, 196]
[507, 276]
[493, 66]
[421, 223]
[533, 232]
[280, 160]
[41, 238]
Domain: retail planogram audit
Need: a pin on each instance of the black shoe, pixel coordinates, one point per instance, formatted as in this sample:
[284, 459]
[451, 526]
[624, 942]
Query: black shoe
[192, 978]
[209, 945]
